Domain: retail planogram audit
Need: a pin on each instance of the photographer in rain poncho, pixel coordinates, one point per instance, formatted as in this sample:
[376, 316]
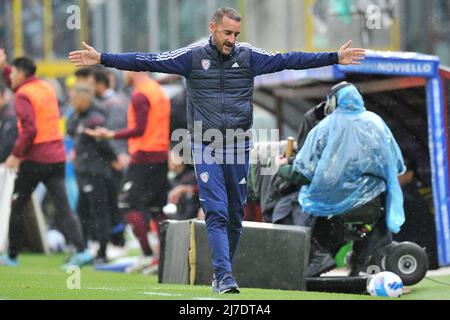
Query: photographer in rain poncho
[348, 166]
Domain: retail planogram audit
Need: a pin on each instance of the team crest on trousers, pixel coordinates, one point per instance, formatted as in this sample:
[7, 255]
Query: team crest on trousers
[204, 177]
[206, 64]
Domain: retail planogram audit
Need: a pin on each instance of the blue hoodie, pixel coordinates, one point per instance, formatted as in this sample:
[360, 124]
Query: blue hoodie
[350, 158]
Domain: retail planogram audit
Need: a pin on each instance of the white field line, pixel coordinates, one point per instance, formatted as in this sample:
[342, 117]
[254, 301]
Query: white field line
[162, 294]
[107, 289]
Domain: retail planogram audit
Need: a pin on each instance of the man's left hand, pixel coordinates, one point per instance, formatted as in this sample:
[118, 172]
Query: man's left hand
[352, 56]
[12, 163]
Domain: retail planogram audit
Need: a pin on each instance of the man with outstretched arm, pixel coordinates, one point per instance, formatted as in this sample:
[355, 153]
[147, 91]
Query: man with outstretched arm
[220, 79]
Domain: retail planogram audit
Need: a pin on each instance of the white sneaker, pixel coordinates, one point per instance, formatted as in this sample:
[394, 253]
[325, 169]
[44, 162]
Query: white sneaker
[152, 269]
[116, 252]
[140, 265]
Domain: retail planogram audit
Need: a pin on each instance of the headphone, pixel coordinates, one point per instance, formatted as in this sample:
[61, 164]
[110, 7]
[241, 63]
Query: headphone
[331, 103]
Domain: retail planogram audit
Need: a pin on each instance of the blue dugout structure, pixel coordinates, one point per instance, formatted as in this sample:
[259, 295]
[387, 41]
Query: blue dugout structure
[426, 71]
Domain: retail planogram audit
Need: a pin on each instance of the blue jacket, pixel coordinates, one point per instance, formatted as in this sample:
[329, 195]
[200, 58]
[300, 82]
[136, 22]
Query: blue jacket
[219, 88]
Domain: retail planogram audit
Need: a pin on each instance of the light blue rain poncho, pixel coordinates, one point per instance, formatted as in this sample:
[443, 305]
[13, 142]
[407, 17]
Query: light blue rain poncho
[350, 158]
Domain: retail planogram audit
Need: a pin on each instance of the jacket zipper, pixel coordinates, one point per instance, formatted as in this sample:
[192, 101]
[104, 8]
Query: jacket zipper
[222, 88]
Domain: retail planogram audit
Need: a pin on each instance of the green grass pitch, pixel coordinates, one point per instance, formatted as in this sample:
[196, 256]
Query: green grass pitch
[41, 278]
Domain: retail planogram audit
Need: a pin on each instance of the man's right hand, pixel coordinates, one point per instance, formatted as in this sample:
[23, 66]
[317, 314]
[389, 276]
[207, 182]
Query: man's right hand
[280, 161]
[87, 57]
[3, 59]
[124, 160]
[178, 192]
[100, 133]
[12, 163]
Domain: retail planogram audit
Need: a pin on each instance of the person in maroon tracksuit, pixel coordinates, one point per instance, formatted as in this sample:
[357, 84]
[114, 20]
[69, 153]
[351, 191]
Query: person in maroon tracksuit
[144, 191]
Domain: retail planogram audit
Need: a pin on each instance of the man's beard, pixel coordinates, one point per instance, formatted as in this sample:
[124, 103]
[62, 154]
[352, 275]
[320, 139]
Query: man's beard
[228, 46]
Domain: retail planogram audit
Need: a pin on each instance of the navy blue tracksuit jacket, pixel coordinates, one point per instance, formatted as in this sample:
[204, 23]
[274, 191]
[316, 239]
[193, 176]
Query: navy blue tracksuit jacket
[219, 97]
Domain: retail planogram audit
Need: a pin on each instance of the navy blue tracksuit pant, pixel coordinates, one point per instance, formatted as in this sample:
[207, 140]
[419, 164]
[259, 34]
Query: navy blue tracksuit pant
[223, 195]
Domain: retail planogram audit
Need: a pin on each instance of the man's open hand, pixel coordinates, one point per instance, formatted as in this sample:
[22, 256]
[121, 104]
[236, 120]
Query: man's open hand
[83, 58]
[349, 55]
[100, 133]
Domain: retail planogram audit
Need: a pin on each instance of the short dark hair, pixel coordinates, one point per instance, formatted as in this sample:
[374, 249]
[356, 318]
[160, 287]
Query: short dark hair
[84, 73]
[26, 65]
[102, 76]
[231, 13]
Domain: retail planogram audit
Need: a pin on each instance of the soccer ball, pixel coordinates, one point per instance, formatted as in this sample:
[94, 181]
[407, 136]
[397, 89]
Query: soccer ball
[385, 284]
[56, 241]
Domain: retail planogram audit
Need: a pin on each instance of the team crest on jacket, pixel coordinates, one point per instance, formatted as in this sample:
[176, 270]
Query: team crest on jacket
[204, 177]
[206, 64]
